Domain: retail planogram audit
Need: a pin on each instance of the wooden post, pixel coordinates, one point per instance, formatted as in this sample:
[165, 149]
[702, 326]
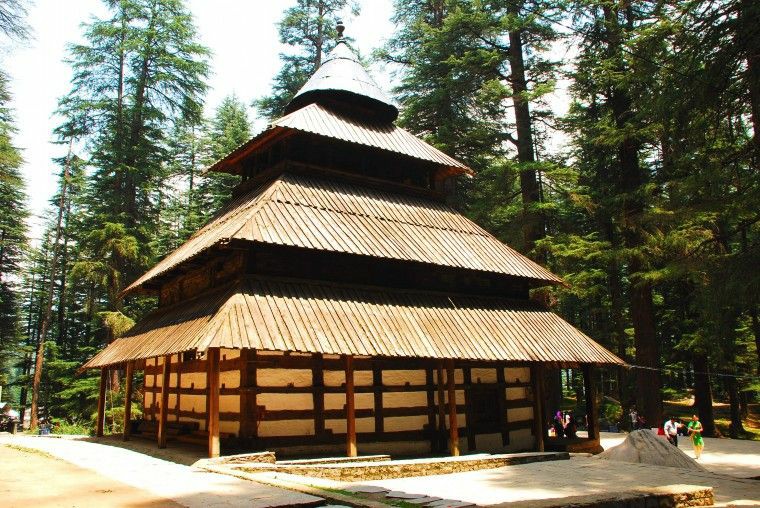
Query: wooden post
[101, 402]
[501, 400]
[163, 410]
[592, 410]
[350, 412]
[128, 399]
[441, 407]
[539, 430]
[453, 425]
[212, 386]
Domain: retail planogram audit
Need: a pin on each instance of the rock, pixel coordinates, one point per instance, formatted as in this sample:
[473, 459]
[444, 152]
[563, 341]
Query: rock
[366, 489]
[646, 447]
[398, 494]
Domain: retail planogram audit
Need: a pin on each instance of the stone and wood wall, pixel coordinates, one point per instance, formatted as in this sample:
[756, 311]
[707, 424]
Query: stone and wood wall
[295, 404]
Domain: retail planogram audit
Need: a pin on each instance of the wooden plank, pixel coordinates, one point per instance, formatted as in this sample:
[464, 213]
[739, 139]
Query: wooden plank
[164, 407]
[592, 409]
[212, 384]
[130, 374]
[453, 425]
[350, 416]
[101, 402]
[318, 397]
[442, 438]
[502, 402]
[377, 385]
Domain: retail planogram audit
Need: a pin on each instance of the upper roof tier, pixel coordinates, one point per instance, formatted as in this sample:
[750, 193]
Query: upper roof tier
[343, 80]
[313, 213]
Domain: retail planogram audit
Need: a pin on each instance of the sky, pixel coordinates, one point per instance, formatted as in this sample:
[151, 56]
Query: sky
[242, 35]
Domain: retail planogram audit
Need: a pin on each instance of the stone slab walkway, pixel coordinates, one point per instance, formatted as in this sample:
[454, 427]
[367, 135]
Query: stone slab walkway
[185, 485]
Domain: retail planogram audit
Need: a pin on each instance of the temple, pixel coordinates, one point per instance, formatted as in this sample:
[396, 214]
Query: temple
[337, 304]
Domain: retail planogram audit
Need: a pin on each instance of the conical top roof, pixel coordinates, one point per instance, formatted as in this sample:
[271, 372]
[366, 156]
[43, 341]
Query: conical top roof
[343, 81]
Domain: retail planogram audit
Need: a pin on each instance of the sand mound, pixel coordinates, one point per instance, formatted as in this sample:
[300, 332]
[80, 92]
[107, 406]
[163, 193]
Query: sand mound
[646, 447]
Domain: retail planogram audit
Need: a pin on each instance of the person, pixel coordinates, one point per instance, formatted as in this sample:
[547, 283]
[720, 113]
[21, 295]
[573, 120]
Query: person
[695, 431]
[641, 422]
[559, 428]
[571, 428]
[671, 431]
[634, 418]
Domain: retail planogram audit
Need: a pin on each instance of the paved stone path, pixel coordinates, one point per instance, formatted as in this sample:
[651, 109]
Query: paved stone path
[185, 485]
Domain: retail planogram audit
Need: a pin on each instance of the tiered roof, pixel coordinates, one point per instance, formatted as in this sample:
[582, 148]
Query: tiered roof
[359, 217]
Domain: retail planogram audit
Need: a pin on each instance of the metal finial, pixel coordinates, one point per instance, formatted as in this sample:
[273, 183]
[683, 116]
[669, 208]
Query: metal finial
[340, 27]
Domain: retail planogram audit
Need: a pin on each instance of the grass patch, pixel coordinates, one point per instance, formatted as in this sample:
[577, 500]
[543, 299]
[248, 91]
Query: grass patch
[33, 451]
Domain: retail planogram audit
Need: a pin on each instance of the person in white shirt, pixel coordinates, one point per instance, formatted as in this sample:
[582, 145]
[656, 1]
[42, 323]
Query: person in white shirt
[671, 431]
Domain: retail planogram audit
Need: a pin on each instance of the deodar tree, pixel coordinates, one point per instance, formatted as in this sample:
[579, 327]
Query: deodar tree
[309, 29]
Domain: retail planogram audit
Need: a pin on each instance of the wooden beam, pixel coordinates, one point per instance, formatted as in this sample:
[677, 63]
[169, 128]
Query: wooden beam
[539, 425]
[350, 414]
[453, 425]
[592, 409]
[163, 410]
[441, 408]
[212, 385]
[102, 402]
[128, 399]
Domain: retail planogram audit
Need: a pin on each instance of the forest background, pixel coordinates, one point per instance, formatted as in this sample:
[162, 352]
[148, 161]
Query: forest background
[649, 207]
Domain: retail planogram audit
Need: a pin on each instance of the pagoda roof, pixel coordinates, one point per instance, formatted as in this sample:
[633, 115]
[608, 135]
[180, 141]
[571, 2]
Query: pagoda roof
[331, 215]
[342, 77]
[323, 121]
[273, 314]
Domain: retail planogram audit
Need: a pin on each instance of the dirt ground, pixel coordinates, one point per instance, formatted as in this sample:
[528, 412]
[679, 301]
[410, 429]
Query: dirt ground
[32, 478]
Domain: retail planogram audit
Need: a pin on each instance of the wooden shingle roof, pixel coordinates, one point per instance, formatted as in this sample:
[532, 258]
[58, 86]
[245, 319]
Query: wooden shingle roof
[314, 213]
[322, 121]
[272, 314]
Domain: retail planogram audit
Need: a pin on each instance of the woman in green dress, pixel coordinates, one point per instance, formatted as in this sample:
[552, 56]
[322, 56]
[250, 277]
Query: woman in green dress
[695, 431]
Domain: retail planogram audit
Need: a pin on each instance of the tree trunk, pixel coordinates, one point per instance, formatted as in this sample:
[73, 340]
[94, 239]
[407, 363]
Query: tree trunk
[532, 223]
[735, 428]
[703, 401]
[749, 20]
[39, 360]
[648, 379]
[756, 332]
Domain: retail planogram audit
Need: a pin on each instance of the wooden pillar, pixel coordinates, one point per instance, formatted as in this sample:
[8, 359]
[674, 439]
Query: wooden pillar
[539, 420]
[101, 402]
[430, 393]
[501, 400]
[248, 396]
[350, 411]
[128, 399]
[377, 388]
[453, 425]
[318, 393]
[441, 408]
[592, 410]
[177, 406]
[212, 396]
[163, 410]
